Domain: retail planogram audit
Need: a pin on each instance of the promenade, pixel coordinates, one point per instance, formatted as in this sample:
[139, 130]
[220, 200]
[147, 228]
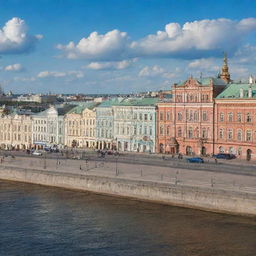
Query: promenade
[219, 177]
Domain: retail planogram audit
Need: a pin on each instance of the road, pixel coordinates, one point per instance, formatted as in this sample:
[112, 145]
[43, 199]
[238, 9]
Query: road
[223, 166]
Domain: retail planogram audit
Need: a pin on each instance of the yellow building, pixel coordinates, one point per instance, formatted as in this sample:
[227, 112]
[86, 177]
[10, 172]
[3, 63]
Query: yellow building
[80, 126]
[15, 130]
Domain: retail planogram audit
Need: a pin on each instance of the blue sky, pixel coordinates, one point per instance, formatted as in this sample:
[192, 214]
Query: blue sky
[115, 46]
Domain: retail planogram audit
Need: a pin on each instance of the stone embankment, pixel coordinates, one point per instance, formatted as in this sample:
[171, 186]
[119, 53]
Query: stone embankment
[205, 198]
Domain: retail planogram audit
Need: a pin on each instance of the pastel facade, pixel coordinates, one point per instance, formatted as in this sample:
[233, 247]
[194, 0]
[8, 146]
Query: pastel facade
[48, 127]
[105, 124]
[134, 125]
[80, 126]
[15, 131]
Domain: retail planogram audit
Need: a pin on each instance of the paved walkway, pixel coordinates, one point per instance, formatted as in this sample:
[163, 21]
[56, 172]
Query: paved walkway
[172, 175]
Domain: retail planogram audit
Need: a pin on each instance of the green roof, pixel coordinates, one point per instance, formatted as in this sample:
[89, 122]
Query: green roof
[81, 107]
[110, 103]
[139, 102]
[233, 91]
[204, 81]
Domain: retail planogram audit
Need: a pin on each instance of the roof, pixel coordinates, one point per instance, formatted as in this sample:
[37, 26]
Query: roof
[139, 102]
[81, 107]
[233, 91]
[204, 81]
[110, 103]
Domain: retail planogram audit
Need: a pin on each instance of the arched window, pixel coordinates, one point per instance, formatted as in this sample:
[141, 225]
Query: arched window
[190, 132]
[248, 135]
[179, 116]
[230, 134]
[239, 135]
[230, 117]
[204, 133]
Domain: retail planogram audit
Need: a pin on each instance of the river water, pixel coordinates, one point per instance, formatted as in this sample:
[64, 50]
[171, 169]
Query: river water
[37, 220]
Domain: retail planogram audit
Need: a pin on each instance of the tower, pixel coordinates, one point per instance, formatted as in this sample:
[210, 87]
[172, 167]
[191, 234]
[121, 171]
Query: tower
[224, 71]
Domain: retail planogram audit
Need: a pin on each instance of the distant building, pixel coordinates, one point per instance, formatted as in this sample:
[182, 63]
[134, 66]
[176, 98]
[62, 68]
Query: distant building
[37, 98]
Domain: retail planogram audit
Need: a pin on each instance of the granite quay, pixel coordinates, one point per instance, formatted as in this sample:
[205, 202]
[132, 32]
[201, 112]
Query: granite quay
[207, 190]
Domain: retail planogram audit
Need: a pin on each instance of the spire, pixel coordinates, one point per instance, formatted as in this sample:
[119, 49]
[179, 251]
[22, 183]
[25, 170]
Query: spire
[224, 71]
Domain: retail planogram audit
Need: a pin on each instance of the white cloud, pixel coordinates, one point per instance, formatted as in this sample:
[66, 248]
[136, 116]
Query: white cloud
[110, 65]
[198, 38]
[156, 71]
[56, 74]
[192, 40]
[14, 37]
[111, 46]
[14, 67]
[204, 64]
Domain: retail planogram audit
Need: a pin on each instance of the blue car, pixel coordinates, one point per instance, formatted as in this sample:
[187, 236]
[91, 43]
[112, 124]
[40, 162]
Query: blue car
[195, 160]
[224, 156]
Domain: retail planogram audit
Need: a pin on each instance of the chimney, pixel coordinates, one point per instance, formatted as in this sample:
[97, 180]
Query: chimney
[251, 79]
[250, 92]
[241, 92]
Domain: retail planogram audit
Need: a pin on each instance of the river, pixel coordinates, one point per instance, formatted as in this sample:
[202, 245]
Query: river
[37, 220]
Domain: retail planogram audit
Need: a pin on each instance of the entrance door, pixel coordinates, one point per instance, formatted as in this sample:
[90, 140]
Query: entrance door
[248, 154]
[203, 151]
[188, 151]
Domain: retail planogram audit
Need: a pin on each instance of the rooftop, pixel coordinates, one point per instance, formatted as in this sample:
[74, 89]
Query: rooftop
[233, 91]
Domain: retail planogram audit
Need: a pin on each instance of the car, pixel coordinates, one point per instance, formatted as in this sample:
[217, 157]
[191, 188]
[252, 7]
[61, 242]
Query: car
[195, 160]
[224, 156]
[37, 153]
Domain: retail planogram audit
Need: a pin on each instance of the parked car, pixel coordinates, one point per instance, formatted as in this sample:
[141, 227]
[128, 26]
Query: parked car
[37, 153]
[224, 156]
[195, 160]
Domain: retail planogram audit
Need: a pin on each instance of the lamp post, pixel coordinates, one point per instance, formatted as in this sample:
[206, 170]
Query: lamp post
[117, 172]
[45, 160]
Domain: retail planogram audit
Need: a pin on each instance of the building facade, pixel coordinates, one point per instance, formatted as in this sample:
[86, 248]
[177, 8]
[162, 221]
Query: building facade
[15, 131]
[235, 121]
[80, 126]
[48, 127]
[134, 125]
[105, 124]
[186, 124]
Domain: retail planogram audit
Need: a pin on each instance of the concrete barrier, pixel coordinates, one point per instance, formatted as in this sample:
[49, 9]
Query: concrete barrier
[210, 199]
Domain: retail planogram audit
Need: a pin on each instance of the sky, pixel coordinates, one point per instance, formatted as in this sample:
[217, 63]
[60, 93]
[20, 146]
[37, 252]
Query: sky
[116, 46]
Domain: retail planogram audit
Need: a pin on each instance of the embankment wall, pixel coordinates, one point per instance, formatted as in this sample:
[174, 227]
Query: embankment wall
[210, 199]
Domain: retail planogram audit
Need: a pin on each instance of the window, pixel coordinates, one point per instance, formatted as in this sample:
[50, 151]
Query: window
[179, 116]
[190, 132]
[239, 135]
[179, 132]
[150, 117]
[150, 130]
[230, 117]
[161, 116]
[161, 130]
[204, 133]
[168, 116]
[140, 116]
[248, 135]
[239, 117]
[168, 130]
[221, 117]
[145, 117]
[248, 118]
[135, 130]
[230, 134]
[195, 116]
[221, 134]
[145, 130]
[204, 116]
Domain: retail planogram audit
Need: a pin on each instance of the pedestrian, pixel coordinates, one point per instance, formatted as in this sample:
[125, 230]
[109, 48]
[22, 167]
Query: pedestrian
[80, 167]
[216, 161]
